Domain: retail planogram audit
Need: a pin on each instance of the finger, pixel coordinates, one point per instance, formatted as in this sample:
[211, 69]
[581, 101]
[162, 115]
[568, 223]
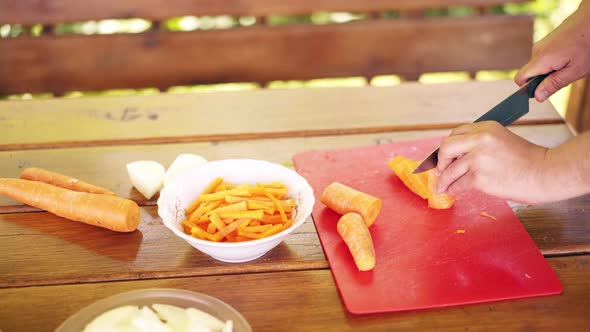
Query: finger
[536, 66]
[453, 173]
[555, 82]
[463, 184]
[452, 148]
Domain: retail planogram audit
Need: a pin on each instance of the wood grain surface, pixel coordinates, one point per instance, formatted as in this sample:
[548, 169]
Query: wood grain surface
[60, 11]
[263, 54]
[105, 166]
[41, 249]
[258, 114]
[309, 301]
[51, 267]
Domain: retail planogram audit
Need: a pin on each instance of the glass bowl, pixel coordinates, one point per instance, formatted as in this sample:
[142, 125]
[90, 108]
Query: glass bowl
[177, 297]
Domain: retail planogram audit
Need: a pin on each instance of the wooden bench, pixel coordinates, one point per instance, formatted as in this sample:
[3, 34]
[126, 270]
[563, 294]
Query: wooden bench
[408, 44]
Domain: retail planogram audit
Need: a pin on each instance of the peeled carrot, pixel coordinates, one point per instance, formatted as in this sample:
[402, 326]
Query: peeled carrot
[357, 237]
[107, 211]
[422, 184]
[344, 199]
[60, 180]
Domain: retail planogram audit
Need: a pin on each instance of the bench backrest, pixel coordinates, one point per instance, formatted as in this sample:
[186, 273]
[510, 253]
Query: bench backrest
[394, 38]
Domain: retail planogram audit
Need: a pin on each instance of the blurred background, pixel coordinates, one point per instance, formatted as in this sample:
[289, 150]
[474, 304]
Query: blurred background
[547, 15]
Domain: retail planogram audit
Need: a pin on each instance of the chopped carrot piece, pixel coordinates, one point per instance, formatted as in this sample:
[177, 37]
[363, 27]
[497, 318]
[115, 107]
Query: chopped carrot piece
[423, 184]
[241, 206]
[260, 228]
[238, 191]
[231, 227]
[487, 215]
[344, 199]
[211, 228]
[203, 235]
[196, 215]
[220, 187]
[252, 214]
[255, 206]
[277, 204]
[216, 221]
[261, 191]
[355, 233]
[230, 213]
[274, 219]
[210, 187]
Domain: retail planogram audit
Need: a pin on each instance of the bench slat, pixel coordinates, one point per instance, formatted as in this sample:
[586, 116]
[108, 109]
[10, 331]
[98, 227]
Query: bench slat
[261, 54]
[60, 11]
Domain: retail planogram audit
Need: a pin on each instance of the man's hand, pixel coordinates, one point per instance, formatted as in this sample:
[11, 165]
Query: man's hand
[564, 50]
[490, 158]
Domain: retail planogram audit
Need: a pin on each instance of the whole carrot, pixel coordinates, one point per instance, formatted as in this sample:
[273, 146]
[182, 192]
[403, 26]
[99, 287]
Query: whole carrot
[60, 180]
[344, 199]
[107, 211]
[357, 237]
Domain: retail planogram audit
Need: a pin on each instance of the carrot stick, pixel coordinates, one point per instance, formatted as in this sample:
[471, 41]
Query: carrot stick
[231, 227]
[344, 199]
[356, 235]
[251, 214]
[277, 204]
[60, 180]
[422, 184]
[107, 211]
[216, 222]
[241, 206]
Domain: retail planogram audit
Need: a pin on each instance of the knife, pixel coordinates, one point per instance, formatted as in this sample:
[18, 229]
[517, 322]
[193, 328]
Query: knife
[506, 112]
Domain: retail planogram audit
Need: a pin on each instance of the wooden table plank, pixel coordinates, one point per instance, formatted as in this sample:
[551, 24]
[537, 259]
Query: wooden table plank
[255, 114]
[560, 228]
[105, 166]
[309, 301]
[42, 249]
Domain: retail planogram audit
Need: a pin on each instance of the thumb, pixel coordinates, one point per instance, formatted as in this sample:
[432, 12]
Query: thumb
[555, 82]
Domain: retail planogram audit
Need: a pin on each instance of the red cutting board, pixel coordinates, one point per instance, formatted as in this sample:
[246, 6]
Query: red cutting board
[422, 259]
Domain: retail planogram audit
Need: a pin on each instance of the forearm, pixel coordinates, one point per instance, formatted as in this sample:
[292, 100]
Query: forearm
[566, 172]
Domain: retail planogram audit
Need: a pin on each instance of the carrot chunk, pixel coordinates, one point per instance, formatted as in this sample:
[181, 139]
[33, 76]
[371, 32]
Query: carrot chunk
[344, 199]
[422, 184]
[355, 233]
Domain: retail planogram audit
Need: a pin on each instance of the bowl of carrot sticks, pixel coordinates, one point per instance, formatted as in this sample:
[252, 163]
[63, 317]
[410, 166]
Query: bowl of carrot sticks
[236, 210]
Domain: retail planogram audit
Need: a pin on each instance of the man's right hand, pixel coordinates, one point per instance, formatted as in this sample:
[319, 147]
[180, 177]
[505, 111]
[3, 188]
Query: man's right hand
[565, 50]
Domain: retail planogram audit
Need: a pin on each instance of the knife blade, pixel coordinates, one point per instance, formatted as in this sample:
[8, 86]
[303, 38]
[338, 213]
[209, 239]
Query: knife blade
[505, 113]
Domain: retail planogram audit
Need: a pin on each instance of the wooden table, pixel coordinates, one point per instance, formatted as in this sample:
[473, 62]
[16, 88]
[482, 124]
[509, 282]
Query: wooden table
[51, 267]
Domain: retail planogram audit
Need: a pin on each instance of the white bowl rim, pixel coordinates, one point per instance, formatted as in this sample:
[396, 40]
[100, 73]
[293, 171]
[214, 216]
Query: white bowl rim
[186, 237]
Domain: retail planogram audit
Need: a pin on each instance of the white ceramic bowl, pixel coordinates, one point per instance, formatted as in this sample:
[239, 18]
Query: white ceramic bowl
[177, 297]
[177, 196]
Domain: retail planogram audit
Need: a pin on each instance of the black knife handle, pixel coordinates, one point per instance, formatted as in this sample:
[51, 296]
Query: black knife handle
[534, 82]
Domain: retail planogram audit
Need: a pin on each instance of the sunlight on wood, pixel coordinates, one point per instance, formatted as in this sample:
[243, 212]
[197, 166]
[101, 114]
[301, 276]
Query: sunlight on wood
[386, 80]
[214, 87]
[444, 77]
